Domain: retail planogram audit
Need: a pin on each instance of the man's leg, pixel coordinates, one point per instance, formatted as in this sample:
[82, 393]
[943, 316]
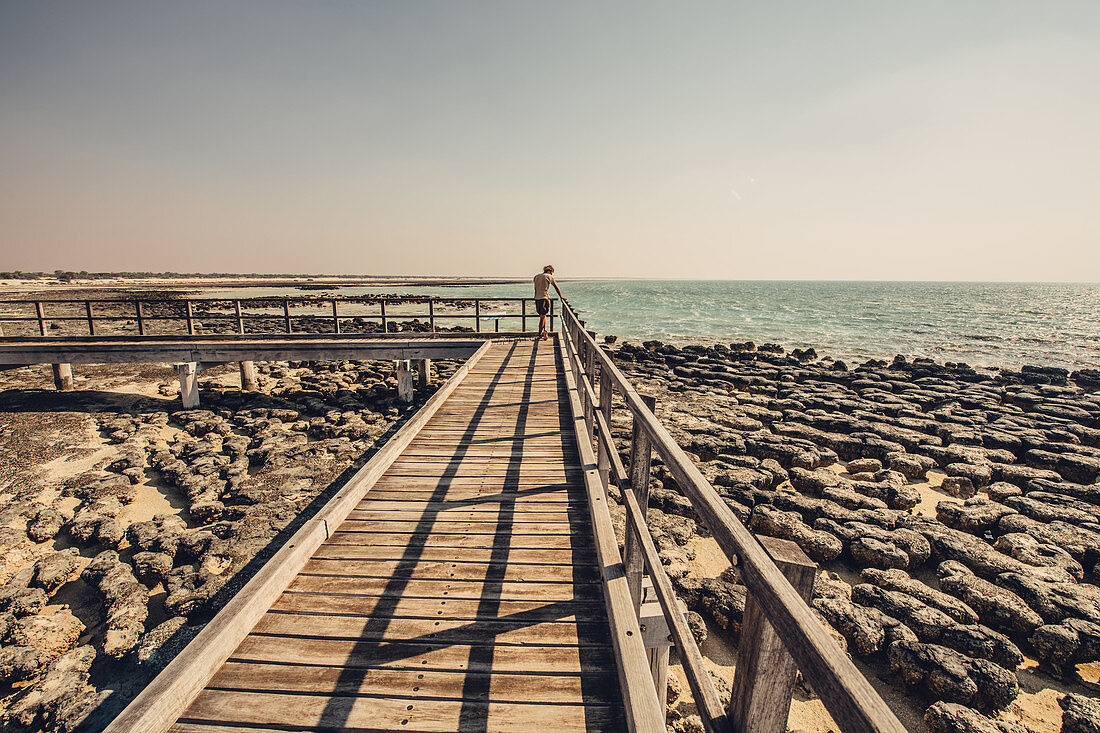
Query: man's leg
[542, 325]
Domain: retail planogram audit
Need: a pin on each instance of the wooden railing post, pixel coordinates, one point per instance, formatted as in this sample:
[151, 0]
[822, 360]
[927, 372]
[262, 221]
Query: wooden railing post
[335, 316]
[286, 315]
[382, 310]
[248, 376]
[477, 315]
[240, 318]
[190, 320]
[766, 674]
[523, 315]
[641, 454]
[91, 323]
[431, 313]
[603, 457]
[551, 326]
[140, 318]
[41, 318]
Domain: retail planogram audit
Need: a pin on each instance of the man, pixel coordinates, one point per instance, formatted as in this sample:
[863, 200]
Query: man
[543, 281]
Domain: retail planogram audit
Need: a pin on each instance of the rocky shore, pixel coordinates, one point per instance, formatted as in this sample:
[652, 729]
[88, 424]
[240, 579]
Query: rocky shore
[127, 522]
[955, 516]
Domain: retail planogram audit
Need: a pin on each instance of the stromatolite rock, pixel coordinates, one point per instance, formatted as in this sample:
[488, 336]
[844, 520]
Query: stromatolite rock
[152, 568]
[153, 643]
[45, 524]
[1077, 541]
[126, 601]
[910, 465]
[1054, 601]
[873, 546]
[56, 569]
[928, 623]
[1063, 646]
[820, 546]
[959, 486]
[864, 465]
[953, 677]
[162, 533]
[1001, 490]
[867, 630]
[37, 640]
[1080, 714]
[975, 553]
[950, 717]
[979, 474]
[997, 607]
[975, 515]
[719, 600]
[63, 698]
[1074, 467]
[1031, 551]
[899, 580]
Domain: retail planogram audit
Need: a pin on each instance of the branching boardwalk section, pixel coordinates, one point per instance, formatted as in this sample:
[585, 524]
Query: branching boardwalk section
[462, 593]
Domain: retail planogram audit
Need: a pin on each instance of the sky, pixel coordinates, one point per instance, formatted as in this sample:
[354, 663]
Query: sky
[881, 140]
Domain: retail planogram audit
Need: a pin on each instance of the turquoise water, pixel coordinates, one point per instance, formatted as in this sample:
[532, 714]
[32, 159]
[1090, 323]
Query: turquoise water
[983, 324]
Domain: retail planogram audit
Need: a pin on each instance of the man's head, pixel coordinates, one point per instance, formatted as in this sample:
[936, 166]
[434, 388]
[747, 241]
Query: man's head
[548, 269]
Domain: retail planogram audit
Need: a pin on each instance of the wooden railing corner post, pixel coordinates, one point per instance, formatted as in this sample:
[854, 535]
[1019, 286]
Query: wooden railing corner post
[765, 676]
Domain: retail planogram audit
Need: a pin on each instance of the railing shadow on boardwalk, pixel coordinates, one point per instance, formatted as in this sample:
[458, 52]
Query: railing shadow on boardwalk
[372, 650]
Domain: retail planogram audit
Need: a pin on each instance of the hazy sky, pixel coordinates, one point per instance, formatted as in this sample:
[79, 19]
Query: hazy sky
[884, 139]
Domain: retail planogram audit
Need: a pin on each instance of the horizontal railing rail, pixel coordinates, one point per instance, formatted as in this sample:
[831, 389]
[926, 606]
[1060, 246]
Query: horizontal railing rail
[195, 315]
[848, 696]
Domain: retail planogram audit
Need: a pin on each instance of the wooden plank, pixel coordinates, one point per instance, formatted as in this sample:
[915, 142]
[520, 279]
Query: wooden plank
[449, 588]
[371, 534]
[504, 573]
[453, 608]
[390, 630]
[171, 691]
[464, 514]
[403, 683]
[352, 654]
[369, 714]
[448, 528]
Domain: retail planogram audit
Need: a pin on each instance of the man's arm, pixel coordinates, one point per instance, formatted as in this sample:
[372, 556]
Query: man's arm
[555, 282]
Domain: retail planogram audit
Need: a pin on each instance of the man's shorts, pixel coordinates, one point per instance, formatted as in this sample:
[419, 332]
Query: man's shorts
[542, 305]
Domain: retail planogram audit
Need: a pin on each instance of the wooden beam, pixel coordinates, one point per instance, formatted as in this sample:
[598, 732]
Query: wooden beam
[765, 675]
[403, 368]
[63, 376]
[641, 456]
[644, 713]
[188, 373]
[248, 376]
[255, 348]
[160, 704]
[423, 373]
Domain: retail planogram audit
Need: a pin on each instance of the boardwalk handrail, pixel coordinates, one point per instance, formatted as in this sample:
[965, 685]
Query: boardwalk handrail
[192, 311]
[848, 696]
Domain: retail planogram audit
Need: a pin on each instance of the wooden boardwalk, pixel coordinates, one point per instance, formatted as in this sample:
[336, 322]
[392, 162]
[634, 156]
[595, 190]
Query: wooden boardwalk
[461, 594]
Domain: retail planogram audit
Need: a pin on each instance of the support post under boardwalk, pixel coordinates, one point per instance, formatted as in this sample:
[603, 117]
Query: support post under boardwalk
[248, 377]
[404, 375]
[188, 373]
[765, 676]
[63, 376]
[423, 373]
[641, 454]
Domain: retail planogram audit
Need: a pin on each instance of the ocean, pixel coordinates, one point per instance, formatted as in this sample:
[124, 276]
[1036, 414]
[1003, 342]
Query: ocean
[982, 324]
